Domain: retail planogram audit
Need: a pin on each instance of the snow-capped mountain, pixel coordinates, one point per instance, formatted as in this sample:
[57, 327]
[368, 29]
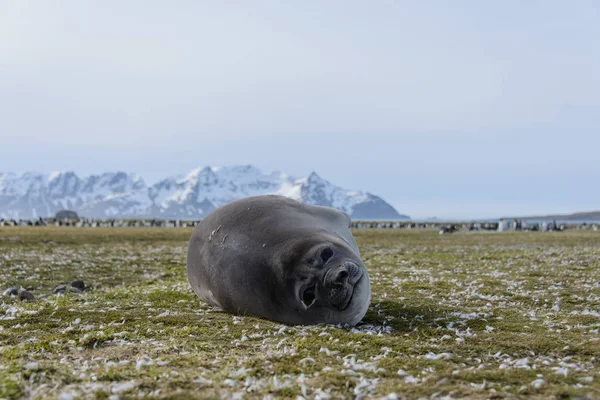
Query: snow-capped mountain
[121, 195]
[34, 194]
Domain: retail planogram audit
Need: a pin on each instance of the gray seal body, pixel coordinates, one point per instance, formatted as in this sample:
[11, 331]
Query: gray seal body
[279, 259]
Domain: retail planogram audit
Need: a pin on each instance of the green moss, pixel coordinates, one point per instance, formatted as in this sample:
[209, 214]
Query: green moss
[450, 312]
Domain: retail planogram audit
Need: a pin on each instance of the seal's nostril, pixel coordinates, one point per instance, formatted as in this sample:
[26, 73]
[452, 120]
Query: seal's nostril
[341, 276]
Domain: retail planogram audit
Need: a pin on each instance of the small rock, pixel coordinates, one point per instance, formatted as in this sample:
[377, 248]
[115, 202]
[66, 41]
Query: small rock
[79, 284]
[11, 292]
[60, 289]
[25, 295]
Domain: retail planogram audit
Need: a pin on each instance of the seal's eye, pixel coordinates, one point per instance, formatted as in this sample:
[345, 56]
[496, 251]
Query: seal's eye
[309, 296]
[326, 254]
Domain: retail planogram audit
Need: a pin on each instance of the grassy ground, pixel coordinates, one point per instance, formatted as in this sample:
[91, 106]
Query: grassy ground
[469, 315]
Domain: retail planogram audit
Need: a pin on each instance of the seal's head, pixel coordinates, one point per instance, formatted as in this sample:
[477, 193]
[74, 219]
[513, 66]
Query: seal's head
[327, 281]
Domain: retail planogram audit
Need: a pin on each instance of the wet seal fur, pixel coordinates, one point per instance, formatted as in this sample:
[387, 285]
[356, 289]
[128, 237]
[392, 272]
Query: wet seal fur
[279, 259]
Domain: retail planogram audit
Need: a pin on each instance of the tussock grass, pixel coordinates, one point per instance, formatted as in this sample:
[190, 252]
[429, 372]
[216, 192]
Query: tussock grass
[469, 315]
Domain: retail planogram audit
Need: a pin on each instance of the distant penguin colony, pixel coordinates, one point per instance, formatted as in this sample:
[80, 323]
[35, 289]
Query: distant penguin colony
[442, 228]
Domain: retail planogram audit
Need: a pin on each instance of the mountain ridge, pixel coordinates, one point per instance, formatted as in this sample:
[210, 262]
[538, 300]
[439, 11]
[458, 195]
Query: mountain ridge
[192, 195]
[577, 216]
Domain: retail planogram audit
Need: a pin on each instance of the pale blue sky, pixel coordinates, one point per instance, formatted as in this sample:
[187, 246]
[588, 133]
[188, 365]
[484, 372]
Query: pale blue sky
[443, 108]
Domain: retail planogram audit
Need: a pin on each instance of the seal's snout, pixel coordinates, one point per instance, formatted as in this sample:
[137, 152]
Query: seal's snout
[348, 272]
[341, 282]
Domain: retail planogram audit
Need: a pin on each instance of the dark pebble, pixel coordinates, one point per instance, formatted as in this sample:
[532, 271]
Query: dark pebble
[78, 284]
[25, 295]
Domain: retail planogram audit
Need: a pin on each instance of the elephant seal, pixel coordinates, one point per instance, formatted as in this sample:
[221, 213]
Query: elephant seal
[279, 259]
